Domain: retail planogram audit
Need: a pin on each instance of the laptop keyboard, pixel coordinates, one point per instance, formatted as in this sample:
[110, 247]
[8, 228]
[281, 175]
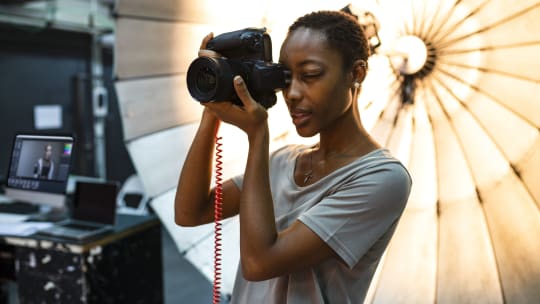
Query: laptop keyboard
[18, 208]
[79, 226]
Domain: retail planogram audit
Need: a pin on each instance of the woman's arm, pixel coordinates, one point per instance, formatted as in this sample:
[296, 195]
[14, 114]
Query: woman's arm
[194, 201]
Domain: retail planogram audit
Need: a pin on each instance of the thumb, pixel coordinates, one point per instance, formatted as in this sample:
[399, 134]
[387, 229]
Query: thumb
[243, 93]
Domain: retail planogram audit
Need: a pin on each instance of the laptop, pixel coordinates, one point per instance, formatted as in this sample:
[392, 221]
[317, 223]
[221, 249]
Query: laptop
[93, 212]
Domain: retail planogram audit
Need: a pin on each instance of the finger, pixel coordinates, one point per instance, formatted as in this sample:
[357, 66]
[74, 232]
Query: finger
[206, 38]
[208, 53]
[243, 93]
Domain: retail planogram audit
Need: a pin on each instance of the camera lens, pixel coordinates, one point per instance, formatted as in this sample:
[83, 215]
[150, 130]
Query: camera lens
[210, 79]
[206, 80]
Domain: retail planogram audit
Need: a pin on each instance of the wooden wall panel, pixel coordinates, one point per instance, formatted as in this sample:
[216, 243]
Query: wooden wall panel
[177, 10]
[153, 104]
[216, 12]
[153, 48]
[158, 157]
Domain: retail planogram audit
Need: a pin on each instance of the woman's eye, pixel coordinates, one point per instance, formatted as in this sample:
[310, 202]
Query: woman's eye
[311, 75]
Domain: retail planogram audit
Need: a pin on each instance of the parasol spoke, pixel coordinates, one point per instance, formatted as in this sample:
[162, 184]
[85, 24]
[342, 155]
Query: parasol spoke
[442, 50]
[428, 24]
[475, 87]
[441, 35]
[414, 17]
[488, 70]
[499, 23]
[422, 19]
[436, 28]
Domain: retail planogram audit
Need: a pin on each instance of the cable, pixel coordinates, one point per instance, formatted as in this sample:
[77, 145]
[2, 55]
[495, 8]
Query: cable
[218, 215]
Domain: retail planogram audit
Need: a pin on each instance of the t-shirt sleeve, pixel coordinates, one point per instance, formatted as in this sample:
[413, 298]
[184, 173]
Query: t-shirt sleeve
[352, 218]
[238, 180]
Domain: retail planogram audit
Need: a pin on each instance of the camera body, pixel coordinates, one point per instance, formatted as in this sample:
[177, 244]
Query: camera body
[246, 52]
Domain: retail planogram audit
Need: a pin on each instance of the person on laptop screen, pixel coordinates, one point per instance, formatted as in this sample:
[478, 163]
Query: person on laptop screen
[39, 169]
[44, 166]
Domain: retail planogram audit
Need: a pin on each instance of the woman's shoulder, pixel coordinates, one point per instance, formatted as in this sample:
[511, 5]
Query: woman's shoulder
[382, 166]
[380, 157]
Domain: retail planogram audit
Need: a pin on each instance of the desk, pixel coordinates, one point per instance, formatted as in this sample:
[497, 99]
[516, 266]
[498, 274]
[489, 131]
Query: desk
[124, 266]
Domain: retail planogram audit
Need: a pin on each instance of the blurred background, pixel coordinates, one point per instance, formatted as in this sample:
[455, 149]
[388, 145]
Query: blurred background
[452, 90]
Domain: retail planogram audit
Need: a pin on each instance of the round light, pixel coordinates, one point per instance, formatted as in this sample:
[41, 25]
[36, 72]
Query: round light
[413, 54]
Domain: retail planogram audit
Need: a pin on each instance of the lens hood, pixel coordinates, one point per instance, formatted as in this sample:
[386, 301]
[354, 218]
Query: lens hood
[210, 79]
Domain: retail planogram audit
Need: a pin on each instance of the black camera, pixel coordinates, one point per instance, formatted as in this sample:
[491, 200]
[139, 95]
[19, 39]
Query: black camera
[247, 53]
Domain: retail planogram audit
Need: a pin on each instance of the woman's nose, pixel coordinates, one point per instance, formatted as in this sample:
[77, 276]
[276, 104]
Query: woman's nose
[293, 92]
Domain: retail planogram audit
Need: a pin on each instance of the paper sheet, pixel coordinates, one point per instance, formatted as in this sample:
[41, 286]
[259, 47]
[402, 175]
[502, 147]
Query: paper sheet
[20, 228]
[48, 117]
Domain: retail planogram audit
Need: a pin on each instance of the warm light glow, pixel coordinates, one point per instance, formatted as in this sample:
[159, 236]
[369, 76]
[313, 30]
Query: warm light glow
[411, 54]
[451, 91]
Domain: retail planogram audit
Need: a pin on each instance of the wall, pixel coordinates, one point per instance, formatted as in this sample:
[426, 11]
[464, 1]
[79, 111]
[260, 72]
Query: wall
[44, 66]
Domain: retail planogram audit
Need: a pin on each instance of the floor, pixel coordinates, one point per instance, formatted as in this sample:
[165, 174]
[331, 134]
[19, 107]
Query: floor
[182, 282]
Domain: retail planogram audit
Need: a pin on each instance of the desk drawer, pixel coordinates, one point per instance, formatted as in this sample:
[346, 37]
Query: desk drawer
[126, 269]
[33, 260]
[7, 261]
[42, 288]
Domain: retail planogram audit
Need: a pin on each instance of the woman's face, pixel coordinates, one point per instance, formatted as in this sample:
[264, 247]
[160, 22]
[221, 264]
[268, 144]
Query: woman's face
[320, 90]
[48, 152]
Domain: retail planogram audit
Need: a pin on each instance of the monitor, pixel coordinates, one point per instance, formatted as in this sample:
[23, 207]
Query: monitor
[39, 169]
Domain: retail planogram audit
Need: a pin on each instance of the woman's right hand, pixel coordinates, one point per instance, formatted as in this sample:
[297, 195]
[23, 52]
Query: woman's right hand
[203, 52]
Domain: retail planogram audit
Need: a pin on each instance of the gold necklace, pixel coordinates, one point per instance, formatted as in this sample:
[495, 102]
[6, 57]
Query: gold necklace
[309, 175]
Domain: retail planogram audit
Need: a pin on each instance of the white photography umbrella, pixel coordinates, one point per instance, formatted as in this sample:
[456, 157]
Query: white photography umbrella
[460, 107]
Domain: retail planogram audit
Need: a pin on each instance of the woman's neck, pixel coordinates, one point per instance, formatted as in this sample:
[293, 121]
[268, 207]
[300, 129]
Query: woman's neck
[348, 138]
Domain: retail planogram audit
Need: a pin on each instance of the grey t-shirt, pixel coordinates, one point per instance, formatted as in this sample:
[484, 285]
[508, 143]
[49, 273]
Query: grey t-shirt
[355, 210]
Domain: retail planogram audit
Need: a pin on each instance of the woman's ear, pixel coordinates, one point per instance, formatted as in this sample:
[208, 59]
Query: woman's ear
[359, 70]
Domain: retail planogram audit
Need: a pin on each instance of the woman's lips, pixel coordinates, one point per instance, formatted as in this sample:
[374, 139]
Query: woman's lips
[300, 117]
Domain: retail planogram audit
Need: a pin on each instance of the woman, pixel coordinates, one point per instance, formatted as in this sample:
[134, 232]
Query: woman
[44, 166]
[314, 221]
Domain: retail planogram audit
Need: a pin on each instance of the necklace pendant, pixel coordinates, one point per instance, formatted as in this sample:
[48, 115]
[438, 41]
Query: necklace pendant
[308, 176]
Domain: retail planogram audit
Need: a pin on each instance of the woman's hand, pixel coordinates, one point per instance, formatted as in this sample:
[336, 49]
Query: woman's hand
[251, 118]
[203, 52]
[248, 118]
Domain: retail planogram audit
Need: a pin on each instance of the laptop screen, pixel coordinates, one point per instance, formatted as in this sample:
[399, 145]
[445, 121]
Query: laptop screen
[40, 163]
[95, 202]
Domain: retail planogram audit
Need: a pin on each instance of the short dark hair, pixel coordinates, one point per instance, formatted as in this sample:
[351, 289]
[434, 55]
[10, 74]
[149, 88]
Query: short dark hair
[342, 31]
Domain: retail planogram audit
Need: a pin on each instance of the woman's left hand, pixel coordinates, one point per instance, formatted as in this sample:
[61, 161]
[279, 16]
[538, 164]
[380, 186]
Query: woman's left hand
[250, 118]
